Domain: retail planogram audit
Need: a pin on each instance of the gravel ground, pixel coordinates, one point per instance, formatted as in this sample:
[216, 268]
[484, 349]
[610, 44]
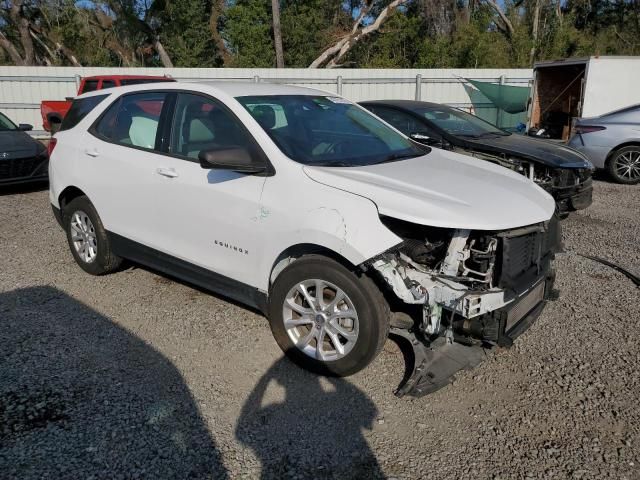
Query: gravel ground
[134, 375]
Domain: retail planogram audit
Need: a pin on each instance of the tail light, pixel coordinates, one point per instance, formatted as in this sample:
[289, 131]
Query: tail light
[580, 129]
[52, 144]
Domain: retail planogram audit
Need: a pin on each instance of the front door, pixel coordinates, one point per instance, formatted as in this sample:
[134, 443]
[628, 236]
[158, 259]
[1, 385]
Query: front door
[207, 217]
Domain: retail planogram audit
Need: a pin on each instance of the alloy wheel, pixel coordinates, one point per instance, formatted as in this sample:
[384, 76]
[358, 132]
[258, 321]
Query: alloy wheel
[320, 319]
[83, 236]
[627, 165]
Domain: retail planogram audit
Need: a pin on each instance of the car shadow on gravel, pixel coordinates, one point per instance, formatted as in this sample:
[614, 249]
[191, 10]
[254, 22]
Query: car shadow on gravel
[23, 188]
[300, 425]
[81, 397]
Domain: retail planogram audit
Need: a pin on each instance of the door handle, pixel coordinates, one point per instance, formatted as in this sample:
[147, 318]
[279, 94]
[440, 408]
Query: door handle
[167, 172]
[92, 152]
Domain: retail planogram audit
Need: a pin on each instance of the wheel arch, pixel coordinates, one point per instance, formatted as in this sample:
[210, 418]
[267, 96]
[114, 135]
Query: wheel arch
[294, 252]
[69, 194]
[629, 143]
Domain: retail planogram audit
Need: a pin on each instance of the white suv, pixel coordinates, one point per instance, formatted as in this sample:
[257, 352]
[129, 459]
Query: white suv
[308, 207]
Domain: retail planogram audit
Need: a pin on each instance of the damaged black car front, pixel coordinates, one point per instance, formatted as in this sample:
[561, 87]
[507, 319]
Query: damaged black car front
[560, 170]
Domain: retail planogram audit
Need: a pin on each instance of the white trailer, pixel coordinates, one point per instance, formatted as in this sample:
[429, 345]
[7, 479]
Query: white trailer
[581, 87]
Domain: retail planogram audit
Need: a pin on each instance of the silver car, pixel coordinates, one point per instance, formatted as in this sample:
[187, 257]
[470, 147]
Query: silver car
[612, 141]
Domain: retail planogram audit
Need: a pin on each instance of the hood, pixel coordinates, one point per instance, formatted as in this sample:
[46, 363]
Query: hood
[539, 150]
[444, 189]
[18, 144]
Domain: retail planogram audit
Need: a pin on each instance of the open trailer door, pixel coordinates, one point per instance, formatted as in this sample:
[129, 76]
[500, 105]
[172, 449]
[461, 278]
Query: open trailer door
[557, 96]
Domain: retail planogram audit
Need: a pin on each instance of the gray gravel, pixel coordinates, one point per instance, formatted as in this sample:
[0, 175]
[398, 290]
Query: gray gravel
[134, 375]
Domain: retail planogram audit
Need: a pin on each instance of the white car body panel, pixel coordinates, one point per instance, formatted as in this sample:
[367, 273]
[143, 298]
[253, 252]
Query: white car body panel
[336, 208]
[445, 189]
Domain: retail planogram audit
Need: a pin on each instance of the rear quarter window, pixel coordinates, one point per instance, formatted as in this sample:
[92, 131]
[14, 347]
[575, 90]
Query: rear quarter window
[80, 108]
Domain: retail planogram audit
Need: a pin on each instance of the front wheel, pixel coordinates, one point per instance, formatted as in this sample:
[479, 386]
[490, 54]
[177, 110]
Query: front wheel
[326, 318]
[624, 165]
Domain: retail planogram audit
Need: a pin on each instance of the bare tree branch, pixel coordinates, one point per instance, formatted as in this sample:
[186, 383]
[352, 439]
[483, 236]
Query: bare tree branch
[508, 26]
[22, 24]
[11, 50]
[162, 53]
[332, 55]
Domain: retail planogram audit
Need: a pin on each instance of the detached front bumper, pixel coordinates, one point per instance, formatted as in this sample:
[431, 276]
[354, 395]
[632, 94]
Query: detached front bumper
[435, 365]
[573, 197]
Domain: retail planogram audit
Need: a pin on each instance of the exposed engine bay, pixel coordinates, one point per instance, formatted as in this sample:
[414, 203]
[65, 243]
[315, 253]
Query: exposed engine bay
[475, 289]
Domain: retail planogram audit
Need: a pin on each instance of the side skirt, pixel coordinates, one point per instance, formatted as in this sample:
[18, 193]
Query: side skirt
[188, 272]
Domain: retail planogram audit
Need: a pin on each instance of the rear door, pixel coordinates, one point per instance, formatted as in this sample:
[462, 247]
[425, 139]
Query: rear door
[120, 160]
[207, 217]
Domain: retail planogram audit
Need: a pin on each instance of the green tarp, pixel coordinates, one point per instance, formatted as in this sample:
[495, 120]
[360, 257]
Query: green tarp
[506, 97]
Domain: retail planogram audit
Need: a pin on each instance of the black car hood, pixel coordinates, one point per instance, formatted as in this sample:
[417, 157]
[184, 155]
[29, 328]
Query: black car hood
[534, 149]
[17, 144]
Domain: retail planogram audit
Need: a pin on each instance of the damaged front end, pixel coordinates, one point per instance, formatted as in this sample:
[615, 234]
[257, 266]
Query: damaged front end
[460, 292]
[571, 188]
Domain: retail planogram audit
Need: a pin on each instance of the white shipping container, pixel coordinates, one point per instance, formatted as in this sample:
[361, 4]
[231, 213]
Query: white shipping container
[581, 87]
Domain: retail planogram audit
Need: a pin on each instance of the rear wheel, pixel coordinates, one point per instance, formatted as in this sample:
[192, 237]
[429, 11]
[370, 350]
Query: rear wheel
[624, 165]
[87, 238]
[326, 318]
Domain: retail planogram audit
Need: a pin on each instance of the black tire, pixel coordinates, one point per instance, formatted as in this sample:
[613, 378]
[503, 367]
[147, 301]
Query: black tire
[614, 165]
[369, 303]
[105, 261]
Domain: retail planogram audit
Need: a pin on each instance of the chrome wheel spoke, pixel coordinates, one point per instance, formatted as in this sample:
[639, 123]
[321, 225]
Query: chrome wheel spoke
[344, 333]
[344, 314]
[290, 323]
[307, 296]
[298, 308]
[319, 294]
[336, 300]
[320, 344]
[335, 340]
[304, 341]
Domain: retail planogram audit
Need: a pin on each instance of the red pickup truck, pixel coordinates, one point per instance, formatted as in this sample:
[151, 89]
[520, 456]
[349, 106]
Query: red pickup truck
[53, 111]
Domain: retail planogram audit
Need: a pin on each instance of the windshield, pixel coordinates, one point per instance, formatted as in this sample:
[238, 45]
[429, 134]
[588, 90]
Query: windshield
[459, 123]
[328, 131]
[6, 124]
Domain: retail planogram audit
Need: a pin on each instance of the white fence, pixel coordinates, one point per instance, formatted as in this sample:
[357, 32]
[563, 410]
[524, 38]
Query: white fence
[23, 88]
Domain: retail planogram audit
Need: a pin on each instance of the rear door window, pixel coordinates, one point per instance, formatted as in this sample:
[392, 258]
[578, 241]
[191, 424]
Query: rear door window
[108, 84]
[80, 108]
[133, 120]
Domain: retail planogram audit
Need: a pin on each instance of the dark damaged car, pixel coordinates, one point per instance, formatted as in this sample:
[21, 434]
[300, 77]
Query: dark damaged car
[22, 159]
[560, 170]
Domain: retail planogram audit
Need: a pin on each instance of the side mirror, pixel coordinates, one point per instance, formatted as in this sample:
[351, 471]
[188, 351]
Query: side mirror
[425, 139]
[55, 122]
[236, 159]
[25, 127]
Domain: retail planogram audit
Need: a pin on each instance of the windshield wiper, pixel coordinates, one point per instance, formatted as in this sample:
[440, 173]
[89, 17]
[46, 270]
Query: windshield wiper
[482, 135]
[398, 156]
